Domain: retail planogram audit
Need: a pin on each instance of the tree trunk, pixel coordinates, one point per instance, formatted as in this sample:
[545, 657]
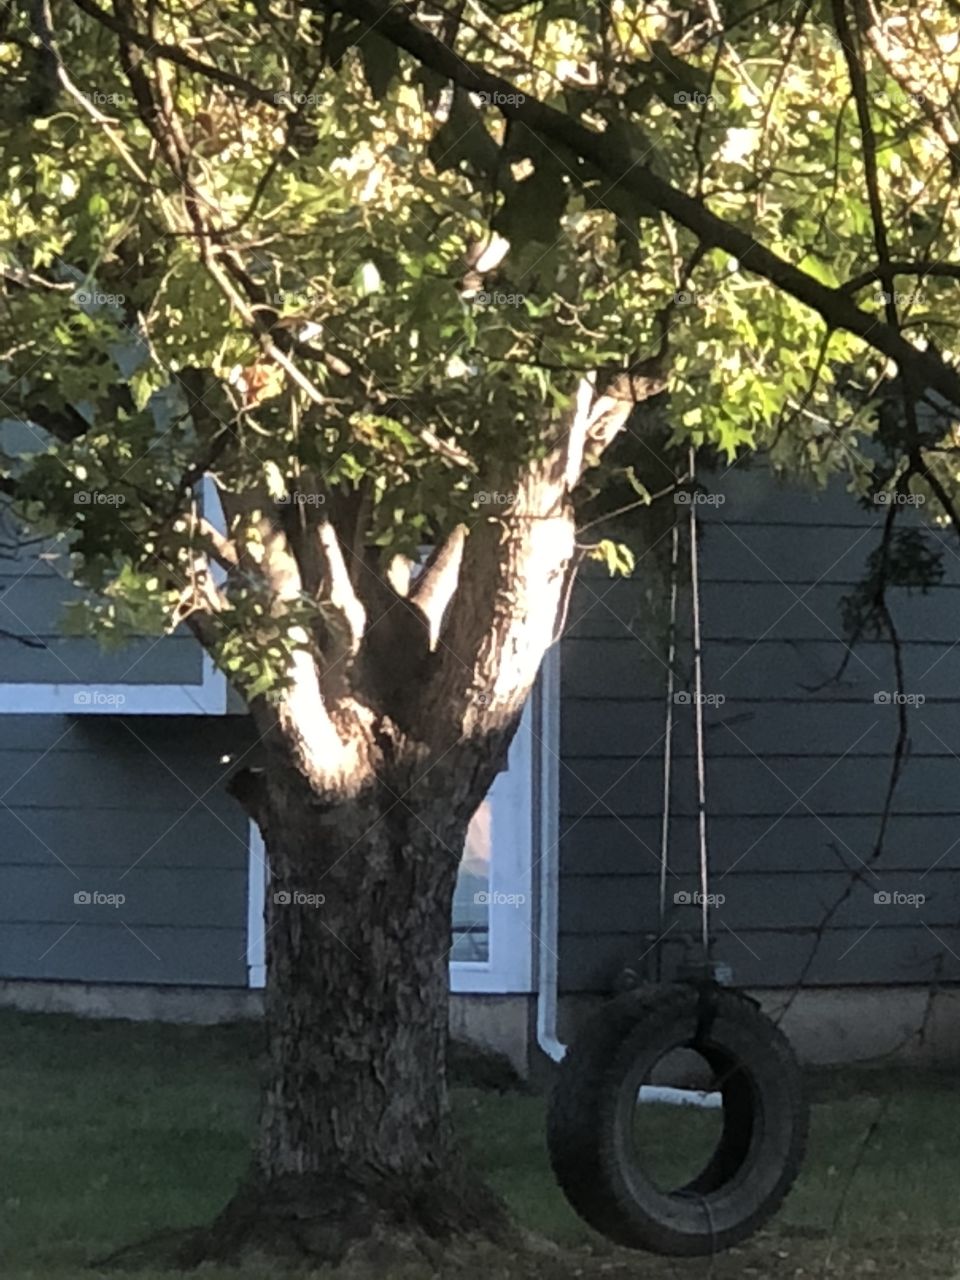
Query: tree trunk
[355, 1147]
[378, 756]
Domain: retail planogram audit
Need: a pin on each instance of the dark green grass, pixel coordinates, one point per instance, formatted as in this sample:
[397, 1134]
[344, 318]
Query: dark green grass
[112, 1132]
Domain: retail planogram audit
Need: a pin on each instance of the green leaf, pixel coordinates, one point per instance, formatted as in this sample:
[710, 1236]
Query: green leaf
[820, 270]
[618, 558]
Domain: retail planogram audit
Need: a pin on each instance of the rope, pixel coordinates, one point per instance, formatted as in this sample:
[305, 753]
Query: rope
[668, 744]
[698, 719]
[698, 699]
[704, 863]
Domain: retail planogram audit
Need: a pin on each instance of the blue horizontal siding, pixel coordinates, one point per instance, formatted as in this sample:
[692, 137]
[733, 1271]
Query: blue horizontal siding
[799, 753]
[91, 807]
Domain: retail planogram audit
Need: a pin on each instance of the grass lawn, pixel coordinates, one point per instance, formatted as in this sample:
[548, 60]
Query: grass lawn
[112, 1132]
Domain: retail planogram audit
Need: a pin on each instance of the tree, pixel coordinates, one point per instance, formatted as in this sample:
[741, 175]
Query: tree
[398, 279]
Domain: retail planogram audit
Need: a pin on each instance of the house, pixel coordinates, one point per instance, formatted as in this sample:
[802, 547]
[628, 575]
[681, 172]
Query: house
[131, 884]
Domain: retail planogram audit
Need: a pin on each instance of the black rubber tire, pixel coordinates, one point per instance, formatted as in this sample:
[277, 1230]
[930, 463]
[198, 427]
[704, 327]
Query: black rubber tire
[761, 1149]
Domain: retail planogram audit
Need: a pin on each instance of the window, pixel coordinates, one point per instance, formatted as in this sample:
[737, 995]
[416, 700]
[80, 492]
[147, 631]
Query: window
[493, 901]
[169, 675]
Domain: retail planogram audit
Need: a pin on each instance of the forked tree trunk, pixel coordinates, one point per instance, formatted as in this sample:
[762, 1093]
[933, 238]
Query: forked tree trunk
[355, 1145]
[378, 755]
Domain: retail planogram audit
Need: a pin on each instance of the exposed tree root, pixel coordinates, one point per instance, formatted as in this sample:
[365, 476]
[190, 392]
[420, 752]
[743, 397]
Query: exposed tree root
[312, 1221]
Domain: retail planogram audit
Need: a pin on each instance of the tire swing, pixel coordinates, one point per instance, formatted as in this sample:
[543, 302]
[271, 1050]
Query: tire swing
[592, 1119]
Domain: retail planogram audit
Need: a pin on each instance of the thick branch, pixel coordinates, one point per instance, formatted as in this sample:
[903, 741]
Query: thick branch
[858, 83]
[34, 280]
[922, 467]
[600, 416]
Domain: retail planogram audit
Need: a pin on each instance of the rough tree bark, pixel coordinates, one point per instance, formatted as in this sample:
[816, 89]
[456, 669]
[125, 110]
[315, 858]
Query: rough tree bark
[355, 1144]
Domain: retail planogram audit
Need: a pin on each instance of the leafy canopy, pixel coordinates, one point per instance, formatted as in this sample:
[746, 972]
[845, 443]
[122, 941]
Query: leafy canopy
[263, 242]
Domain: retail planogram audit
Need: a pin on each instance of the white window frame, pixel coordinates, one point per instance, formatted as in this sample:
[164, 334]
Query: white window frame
[258, 873]
[208, 698]
[509, 968]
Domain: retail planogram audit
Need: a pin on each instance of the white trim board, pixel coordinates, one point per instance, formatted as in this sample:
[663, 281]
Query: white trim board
[206, 699]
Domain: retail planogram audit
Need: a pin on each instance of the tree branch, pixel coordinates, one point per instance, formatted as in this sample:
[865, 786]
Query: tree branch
[343, 597]
[858, 84]
[886, 271]
[222, 549]
[433, 590]
[33, 280]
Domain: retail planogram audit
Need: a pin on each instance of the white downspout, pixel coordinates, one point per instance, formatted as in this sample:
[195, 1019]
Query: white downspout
[547, 845]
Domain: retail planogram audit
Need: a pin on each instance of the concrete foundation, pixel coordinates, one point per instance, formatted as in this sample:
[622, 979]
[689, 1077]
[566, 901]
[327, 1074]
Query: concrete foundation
[870, 1025]
[138, 1003]
[827, 1025]
[501, 1024]
[834, 1026]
